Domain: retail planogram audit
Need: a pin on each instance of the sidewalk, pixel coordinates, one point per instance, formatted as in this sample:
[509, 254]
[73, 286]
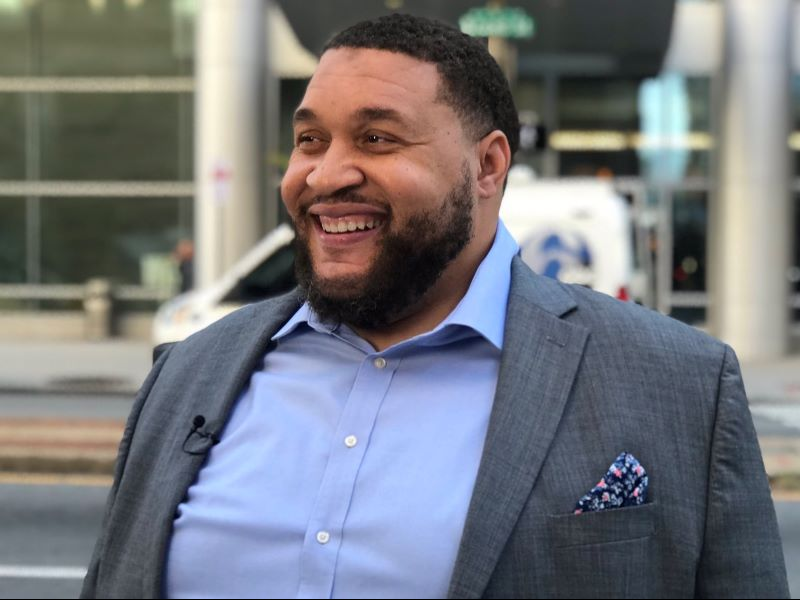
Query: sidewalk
[63, 404]
[56, 413]
[774, 392]
[108, 368]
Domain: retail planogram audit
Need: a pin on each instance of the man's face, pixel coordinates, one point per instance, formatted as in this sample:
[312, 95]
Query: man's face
[379, 185]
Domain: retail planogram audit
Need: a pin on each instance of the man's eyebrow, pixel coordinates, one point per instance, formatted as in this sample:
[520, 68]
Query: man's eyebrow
[365, 114]
[379, 113]
[304, 114]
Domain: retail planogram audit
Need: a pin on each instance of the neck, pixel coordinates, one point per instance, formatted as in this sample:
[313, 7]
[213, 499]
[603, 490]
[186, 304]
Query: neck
[433, 307]
[422, 318]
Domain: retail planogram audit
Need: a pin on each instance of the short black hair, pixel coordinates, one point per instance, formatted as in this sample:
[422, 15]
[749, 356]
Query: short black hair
[473, 84]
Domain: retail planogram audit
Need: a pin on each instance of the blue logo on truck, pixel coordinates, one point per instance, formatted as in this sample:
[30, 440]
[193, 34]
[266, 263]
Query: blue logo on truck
[563, 256]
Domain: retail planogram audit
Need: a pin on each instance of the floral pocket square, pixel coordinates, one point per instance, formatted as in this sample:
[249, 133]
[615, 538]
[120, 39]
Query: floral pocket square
[625, 484]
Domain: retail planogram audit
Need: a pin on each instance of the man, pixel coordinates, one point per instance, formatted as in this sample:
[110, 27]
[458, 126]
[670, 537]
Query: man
[425, 416]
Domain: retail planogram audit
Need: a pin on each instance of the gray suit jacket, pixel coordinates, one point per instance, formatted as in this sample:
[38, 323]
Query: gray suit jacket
[583, 377]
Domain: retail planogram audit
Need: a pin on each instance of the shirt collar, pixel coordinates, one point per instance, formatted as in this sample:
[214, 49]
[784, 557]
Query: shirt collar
[482, 309]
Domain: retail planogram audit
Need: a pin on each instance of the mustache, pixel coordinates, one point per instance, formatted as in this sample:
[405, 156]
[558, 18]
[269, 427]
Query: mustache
[344, 197]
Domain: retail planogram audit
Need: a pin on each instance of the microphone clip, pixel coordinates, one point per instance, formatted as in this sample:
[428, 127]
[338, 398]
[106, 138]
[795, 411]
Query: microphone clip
[201, 437]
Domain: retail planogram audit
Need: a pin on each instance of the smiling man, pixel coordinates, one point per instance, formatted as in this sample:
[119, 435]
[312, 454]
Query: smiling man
[425, 417]
[395, 195]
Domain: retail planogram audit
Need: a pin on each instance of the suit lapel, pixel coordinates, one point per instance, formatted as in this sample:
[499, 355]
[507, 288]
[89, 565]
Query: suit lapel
[212, 393]
[540, 359]
[238, 353]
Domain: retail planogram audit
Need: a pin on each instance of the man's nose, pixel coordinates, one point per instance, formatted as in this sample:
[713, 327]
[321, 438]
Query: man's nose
[336, 169]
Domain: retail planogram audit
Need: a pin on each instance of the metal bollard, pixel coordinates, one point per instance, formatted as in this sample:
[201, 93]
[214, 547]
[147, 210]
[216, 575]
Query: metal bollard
[97, 309]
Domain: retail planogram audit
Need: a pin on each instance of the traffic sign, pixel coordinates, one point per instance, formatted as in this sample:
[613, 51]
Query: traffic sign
[504, 22]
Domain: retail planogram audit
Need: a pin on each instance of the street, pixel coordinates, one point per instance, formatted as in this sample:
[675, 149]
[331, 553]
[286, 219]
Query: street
[48, 535]
[64, 406]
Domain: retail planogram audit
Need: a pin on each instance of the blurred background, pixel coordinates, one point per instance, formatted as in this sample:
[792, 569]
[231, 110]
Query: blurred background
[141, 148]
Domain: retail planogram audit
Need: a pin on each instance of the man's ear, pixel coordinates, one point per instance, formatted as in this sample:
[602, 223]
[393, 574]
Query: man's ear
[494, 156]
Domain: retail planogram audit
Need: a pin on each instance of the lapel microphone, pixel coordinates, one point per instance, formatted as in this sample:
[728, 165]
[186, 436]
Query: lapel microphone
[200, 437]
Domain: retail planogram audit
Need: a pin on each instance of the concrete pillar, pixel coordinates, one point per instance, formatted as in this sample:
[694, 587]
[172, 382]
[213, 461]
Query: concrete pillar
[97, 308]
[271, 174]
[749, 241]
[230, 68]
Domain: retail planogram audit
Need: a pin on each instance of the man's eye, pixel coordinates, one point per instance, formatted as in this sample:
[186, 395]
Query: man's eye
[305, 138]
[374, 139]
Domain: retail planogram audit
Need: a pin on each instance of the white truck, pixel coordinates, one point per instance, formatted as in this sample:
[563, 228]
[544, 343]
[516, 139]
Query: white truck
[575, 230]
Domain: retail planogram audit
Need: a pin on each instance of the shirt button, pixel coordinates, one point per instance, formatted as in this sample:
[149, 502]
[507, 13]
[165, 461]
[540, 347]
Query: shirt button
[350, 441]
[323, 537]
[379, 362]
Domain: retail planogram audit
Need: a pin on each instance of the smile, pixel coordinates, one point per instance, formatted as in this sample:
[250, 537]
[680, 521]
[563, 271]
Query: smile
[349, 224]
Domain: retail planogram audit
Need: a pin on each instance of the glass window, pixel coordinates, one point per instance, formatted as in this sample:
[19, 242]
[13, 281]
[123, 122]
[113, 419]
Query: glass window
[690, 225]
[593, 103]
[699, 89]
[796, 101]
[598, 163]
[590, 105]
[14, 39]
[794, 270]
[675, 141]
[97, 37]
[274, 276]
[794, 140]
[105, 237]
[117, 136]
[529, 96]
[115, 37]
[12, 136]
[12, 240]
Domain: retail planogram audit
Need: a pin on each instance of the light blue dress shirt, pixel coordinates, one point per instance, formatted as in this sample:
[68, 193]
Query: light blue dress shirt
[344, 472]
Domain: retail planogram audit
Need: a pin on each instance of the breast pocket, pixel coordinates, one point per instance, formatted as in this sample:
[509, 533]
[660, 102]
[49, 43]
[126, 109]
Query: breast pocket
[605, 554]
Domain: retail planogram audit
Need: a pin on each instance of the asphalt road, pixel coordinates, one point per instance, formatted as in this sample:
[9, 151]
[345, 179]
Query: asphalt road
[49, 532]
[48, 536]
[65, 406]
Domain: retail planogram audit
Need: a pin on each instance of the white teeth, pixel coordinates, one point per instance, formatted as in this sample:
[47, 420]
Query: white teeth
[346, 225]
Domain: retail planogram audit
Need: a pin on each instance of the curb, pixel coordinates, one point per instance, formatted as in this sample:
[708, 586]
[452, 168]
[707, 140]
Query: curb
[79, 389]
[42, 445]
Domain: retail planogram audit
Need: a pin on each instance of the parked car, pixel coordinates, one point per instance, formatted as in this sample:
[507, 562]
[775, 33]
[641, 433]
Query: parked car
[266, 270]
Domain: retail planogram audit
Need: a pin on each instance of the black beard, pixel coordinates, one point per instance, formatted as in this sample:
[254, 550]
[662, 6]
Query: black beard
[408, 264]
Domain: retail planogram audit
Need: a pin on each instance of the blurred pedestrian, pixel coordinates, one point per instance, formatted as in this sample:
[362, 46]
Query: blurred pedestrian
[184, 256]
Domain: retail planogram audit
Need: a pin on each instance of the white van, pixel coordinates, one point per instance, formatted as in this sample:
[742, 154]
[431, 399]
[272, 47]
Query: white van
[575, 230]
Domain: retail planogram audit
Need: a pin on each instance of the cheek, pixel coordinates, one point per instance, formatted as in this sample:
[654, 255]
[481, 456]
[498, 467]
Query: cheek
[292, 185]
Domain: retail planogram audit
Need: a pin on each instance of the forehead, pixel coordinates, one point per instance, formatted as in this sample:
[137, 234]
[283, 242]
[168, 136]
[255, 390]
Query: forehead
[349, 78]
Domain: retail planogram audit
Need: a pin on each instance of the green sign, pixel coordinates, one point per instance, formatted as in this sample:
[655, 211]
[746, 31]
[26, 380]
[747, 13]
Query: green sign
[504, 22]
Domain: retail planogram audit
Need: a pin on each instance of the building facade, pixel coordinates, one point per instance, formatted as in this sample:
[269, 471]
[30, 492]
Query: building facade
[98, 134]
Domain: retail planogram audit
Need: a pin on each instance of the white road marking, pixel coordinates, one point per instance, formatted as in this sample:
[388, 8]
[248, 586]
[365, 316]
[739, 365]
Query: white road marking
[33, 572]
